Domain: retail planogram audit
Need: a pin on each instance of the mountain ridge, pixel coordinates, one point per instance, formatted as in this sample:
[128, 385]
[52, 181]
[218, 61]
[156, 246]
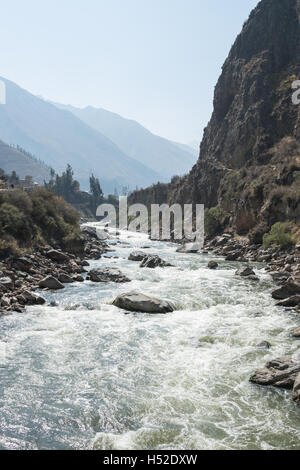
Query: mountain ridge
[165, 157]
[57, 137]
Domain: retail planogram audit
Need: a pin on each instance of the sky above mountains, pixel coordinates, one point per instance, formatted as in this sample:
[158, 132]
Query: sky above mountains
[155, 61]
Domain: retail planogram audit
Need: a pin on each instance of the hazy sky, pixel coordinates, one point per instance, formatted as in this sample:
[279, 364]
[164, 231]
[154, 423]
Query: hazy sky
[155, 61]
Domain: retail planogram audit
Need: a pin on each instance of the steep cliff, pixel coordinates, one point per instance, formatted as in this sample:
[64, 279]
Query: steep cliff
[250, 154]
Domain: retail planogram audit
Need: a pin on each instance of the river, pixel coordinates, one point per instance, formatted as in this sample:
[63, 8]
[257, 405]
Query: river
[84, 375]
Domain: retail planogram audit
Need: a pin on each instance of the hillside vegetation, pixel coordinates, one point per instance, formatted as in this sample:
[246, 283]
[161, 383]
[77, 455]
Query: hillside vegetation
[29, 220]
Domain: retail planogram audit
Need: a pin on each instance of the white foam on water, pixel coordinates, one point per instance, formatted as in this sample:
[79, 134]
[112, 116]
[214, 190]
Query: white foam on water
[85, 375]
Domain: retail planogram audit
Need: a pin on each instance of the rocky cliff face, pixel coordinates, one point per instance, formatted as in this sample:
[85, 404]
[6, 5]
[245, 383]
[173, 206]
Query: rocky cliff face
[250, 146]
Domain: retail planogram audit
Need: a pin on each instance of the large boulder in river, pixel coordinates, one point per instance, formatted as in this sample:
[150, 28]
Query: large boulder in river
[51, 283]
[289, 289]
[107, 275]
[154, 261]
[245, 272]
[212, 265]
[290, 301]
[189, 248]
[280, 373]
[136, 302]
[137, 256]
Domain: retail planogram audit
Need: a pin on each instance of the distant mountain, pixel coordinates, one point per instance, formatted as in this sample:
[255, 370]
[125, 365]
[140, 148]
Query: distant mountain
[58, 137]
[163, 156]
[13, 159]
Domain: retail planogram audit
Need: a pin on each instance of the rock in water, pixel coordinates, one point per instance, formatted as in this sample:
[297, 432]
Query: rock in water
[51, 283]
[280, 373]
[136, 302]
[107, 275]
[154, 261]
[212, 265]
[137, 256]
[296, 390]
[289, 289]
[290, 302]
[263, 345]
[245, 272]
[189, 248]
[296, 333]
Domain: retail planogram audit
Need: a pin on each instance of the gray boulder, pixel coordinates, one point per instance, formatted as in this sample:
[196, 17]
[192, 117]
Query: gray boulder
[290, 302]
[6, 282]
[154, 261]
[58, 256]
[280, 373]
[136, 302]
[137, 256]
[32, 299]
[289, 289]
[245, 272]
[212, 265]
[107, 275]
[51, 283]
[65, 278]
[263, 345]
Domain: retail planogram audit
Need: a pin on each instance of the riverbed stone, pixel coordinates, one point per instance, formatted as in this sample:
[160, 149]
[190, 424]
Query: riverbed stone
[245, 272]
[264, 345]
[6, 282]
[137, 256]
[32, 299]
[137, 302]
[296, 333]
[107, 275]
[57, 256]
[289, 289]
[50, 282]
[290, 301]
[65, 278]
[154, 261]
[281, 373]
[212, 265]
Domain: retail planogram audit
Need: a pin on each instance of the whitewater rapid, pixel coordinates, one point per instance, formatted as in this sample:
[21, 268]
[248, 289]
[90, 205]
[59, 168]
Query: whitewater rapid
[84, 375]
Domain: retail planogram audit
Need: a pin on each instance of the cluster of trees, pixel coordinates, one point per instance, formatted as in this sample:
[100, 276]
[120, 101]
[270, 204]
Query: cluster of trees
[68, 188]
[13, 178]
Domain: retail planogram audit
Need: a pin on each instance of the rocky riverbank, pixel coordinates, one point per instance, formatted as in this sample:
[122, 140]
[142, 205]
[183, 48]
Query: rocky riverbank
[48, 268]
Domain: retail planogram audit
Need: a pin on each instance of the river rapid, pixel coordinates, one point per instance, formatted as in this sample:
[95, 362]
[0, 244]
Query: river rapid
[84, 375]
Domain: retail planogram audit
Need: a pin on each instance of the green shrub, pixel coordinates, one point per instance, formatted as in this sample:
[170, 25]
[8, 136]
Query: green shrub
[30, 219]
[214, 220]
[279, 236]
